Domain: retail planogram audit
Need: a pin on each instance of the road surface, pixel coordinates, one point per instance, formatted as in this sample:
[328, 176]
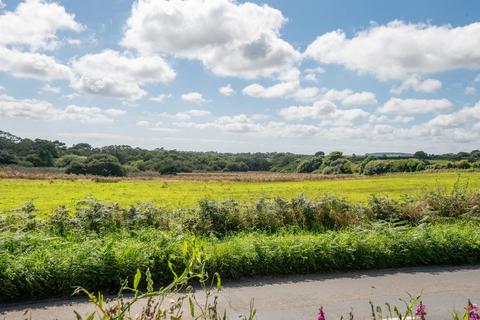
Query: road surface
[299, 297]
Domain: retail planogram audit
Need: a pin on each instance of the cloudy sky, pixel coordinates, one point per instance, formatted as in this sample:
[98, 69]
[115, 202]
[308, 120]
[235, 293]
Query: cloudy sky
[275, 75]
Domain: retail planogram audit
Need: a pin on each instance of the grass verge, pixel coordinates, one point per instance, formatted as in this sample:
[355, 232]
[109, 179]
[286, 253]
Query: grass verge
[35, 264]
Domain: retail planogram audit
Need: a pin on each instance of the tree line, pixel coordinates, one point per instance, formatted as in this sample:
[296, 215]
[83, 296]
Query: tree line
[120, 160]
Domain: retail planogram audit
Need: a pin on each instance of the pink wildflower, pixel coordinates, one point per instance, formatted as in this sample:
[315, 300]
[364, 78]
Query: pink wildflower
[473, 312]
[420, 312]
[321, 314]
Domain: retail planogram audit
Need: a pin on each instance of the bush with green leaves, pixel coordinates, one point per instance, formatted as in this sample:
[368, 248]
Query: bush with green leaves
[309, 165]
[97, 164]
[37, 263]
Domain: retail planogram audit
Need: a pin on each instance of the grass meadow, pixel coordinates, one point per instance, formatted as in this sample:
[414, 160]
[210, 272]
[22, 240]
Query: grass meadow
[171, 193]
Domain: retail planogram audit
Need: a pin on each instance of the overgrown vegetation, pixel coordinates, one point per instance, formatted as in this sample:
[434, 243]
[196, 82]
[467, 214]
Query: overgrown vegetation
[100, 244]
[202, 305]
[119, 160]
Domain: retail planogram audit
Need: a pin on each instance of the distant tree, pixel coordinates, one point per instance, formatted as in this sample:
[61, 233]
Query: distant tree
[7, 157]
[81, 149]
[99, 164]
[76, 167]
[65, 160]
[320, 154]
[309, 165]
[420, 155]
[236, 167]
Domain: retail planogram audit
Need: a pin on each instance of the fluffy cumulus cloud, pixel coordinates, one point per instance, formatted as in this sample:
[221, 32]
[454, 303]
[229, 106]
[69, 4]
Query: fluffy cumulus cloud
[43, 110]
[34, 24]
[185, 115]
[194, 97]
[461, 118]
[326, 112]
[416, 83]
[243, 124]
[229, 38]
[50, 89]
[415, 106]
[31, 27]
[32, 65]
[398, 49]
[117, 75]
[290, 89]
[161, 97]
[226, 90]
[348, 97]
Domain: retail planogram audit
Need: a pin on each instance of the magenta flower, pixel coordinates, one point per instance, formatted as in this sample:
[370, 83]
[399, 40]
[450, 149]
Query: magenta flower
[420, 312]
[473, 312]
[321, 314]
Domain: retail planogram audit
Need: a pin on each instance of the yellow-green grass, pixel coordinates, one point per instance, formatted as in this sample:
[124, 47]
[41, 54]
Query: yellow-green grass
[48, 195]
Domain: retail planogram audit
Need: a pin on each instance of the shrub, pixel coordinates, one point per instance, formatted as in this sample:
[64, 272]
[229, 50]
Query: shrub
[67, 159]
[376, 167]
[104, 165]
[7, 157]
[309, 165]
[339, 166]
[76, 167]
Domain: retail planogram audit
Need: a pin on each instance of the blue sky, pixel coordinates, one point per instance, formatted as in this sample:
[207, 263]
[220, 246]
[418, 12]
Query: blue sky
[300, 76]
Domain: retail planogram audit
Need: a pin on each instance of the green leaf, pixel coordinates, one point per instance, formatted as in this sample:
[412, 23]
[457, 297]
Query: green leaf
[192, 307]
[136, 280]
[77, 315]
[219, 282]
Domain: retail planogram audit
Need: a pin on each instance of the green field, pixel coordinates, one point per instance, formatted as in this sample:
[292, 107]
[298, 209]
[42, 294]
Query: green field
[48, 195]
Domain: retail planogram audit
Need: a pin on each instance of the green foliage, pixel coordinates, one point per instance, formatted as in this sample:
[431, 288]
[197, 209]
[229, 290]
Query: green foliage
[385, 166]
[66, 160]
[309, 165]
[156, 300]
[37, 264]
[7, 157]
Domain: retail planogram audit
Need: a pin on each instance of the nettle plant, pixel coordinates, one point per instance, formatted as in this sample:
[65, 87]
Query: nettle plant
[176, 301]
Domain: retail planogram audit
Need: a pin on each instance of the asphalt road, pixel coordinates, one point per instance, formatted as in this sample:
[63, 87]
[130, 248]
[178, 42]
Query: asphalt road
[443, 290]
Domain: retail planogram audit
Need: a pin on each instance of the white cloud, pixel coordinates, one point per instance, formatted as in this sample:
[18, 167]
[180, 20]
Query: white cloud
[325, 111]
[349, 98]
[397, 50]
[477, 78]
[312, 77]
[375, 118]
[227, 90]
[161, 97]
[229, 38]
[289, 89]
[2, 5]
[34, 24]
[185, 115]
[50, 89]
[2, 88]
[464, 116]
[32, 65]
[116, 75]
[193, 97]
[43, 110]
[415, 106]
[197, 113]
[469, 90]
[416, 83]
[143, 123]
[311, 74]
